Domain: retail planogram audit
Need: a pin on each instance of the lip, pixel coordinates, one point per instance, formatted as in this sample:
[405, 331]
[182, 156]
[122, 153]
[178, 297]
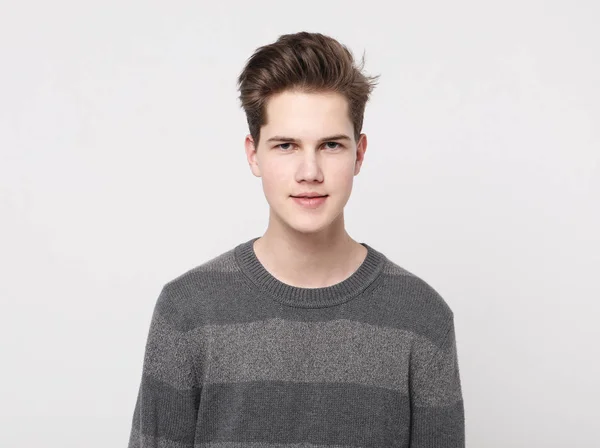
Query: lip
[310, 202]
[308, 195]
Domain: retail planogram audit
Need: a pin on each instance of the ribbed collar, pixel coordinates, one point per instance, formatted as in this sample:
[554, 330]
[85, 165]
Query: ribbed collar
[290, 295]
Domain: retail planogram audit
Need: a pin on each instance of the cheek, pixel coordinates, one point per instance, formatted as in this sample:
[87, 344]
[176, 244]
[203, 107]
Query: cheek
[274, 179]
[341, 176]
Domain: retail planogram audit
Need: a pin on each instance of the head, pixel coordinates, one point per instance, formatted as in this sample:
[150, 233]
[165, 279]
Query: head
[304, 100]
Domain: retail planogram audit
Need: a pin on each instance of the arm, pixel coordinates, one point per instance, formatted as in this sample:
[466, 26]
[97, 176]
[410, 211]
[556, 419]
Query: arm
[167, 402]
[437, 410]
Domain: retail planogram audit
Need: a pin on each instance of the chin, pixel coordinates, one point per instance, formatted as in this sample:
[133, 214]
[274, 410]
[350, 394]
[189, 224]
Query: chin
[298, 223]
[309, 224]
[304, 221]
[308, 229]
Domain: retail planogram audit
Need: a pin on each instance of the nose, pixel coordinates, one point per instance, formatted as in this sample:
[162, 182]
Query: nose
[309, 168]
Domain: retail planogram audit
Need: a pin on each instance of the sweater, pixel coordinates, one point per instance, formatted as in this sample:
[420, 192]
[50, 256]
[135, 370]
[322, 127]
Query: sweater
[236, 358]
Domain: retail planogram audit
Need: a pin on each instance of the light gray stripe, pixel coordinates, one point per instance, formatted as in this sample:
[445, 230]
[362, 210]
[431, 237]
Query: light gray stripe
[322, 352]
[167, 357]
[282, 350]
[437, 381]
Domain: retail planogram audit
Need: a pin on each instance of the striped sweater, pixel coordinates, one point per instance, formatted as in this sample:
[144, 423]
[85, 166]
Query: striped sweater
[236, 358]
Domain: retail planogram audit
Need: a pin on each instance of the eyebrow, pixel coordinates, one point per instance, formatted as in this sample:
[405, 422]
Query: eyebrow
[280, 138]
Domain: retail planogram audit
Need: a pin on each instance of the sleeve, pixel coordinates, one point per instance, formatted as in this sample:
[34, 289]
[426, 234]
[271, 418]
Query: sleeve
[437, 409]
[167, 403]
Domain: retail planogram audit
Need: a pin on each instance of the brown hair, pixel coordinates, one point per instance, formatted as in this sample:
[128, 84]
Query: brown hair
[309, 62]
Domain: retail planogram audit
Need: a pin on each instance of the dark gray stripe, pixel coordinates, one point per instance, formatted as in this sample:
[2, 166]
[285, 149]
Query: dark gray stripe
[267, 445]
[439, 427]
[402, 302]
[165, 413]
[138, 440]
[293, 413]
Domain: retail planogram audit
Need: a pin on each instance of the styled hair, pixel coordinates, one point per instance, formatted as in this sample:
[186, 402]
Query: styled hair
[306, 62]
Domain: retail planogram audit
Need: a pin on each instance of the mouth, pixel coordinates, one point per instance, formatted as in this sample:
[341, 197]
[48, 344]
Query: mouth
[310, 202]
[310, 197]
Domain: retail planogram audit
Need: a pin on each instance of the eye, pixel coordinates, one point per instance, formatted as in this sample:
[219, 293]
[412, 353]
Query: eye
[281, 146]
[334, 143]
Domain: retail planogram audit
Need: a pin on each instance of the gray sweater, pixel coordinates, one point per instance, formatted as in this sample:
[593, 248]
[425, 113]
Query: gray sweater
[236, 358]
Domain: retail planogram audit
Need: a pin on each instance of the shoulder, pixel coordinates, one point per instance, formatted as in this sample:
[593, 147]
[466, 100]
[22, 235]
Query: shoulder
[417, 305]
[183, 300]
[205, 273]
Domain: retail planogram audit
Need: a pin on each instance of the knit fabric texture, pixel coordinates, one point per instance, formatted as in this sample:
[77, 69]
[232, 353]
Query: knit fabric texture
[237, 358]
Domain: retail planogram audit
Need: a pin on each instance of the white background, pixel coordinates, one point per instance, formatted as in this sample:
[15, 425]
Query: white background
[122, 166]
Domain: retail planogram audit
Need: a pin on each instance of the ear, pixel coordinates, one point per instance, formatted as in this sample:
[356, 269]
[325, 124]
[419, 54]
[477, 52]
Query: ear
[251, 155]
[361, 148]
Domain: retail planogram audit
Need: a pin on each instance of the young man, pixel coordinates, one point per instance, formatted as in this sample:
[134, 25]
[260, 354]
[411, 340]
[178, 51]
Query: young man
[302, 337]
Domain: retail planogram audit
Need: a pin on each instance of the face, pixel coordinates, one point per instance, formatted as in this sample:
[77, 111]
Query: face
[307, 145]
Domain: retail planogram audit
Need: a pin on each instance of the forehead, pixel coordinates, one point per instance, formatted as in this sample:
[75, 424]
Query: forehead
[307, 115]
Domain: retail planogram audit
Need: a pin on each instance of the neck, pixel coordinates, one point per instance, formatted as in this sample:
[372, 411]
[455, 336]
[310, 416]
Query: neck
[309, 260]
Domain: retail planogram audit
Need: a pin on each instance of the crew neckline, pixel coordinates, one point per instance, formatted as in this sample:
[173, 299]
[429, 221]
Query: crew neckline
[352, 286]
